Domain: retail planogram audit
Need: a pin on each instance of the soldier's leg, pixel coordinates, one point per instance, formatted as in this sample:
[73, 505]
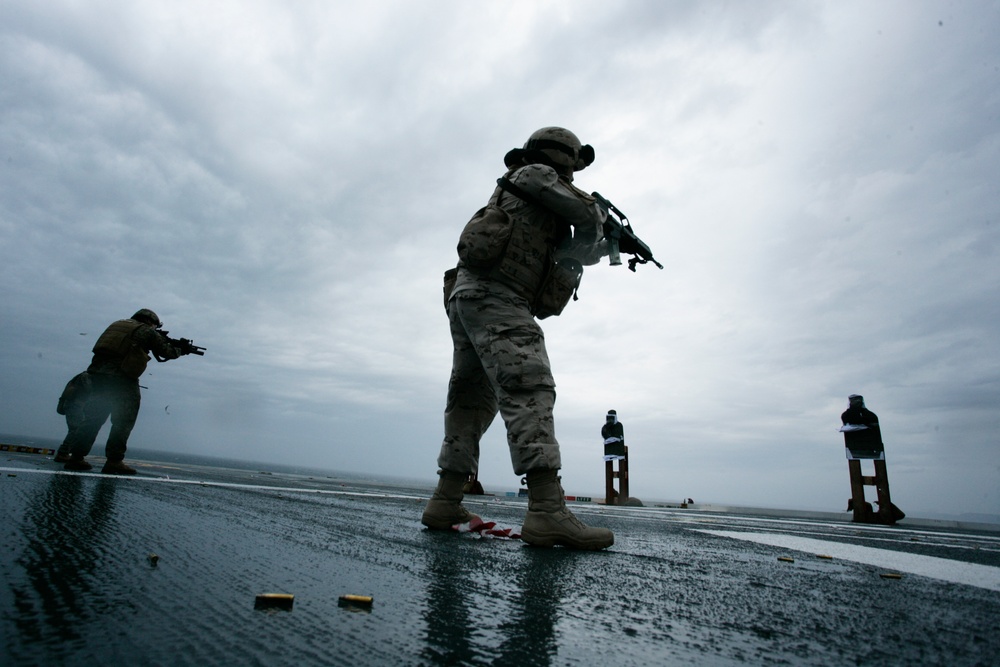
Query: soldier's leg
[511, 346]
[80, 439]
[471, 404]
[74, 419]
[124, 412]
[71, 402]
[470, 409]
[88, 418]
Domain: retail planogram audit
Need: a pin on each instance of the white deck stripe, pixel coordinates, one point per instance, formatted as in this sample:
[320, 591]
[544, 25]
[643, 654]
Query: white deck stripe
[958, 572]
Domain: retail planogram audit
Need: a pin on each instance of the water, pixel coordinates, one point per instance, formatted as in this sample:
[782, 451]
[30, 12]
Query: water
[79, 587]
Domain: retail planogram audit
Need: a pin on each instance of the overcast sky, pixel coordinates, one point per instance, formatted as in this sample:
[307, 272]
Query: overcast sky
[284, 183]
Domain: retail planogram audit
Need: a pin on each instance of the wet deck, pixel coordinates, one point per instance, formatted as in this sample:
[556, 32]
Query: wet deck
[679, 586]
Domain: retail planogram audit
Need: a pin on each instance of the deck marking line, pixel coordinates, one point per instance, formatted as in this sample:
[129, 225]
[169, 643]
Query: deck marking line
[955, 571]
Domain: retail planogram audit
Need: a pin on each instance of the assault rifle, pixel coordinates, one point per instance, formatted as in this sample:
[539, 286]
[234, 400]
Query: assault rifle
[621, 238]
[184, 345]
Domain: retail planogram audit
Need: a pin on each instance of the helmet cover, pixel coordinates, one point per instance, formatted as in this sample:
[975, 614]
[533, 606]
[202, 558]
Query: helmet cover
[146, 316]
[555, 146]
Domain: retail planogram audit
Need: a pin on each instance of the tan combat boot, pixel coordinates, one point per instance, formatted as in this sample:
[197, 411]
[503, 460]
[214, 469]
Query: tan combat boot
[549, 522]
[444, 509]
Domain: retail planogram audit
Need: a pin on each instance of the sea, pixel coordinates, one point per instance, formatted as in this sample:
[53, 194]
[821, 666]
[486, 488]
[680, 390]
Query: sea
[199, 561]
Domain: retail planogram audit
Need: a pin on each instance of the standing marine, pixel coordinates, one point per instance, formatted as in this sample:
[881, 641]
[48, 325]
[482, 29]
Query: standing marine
[521, 257]
[110, 387]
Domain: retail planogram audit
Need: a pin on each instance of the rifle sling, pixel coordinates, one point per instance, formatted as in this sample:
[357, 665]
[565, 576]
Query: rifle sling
[565, 229]
[515, 190]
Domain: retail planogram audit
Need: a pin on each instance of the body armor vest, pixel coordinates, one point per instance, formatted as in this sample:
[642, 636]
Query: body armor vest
[116, 344]
[530, 253]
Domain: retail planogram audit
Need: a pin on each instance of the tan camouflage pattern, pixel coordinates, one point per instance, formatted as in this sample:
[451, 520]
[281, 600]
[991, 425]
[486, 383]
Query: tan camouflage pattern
[499, 365]
[529, 257]
[563, 136]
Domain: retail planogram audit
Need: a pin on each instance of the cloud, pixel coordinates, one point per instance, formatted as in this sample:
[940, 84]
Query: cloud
[285, 184]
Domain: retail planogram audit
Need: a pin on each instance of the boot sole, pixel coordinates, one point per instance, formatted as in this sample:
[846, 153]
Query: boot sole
[432, 525]
[549, 541]
[446, 525]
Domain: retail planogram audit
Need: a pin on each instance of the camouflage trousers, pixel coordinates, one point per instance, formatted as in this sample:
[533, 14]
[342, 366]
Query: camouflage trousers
[107, 395]
[499, 365]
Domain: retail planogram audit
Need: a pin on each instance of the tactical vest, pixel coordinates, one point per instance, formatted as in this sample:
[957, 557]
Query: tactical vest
[116, 344]
[528, 254]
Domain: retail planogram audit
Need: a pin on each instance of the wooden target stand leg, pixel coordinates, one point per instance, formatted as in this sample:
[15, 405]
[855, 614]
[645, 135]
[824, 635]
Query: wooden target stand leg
[611, 495]
[880, 480]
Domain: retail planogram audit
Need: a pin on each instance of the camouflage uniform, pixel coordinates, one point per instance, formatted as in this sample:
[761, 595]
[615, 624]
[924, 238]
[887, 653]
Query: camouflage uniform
[113, 388]
[500, 363]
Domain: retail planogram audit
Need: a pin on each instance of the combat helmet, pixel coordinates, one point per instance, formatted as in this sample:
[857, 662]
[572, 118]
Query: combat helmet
[555, 146]
[146, 316]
